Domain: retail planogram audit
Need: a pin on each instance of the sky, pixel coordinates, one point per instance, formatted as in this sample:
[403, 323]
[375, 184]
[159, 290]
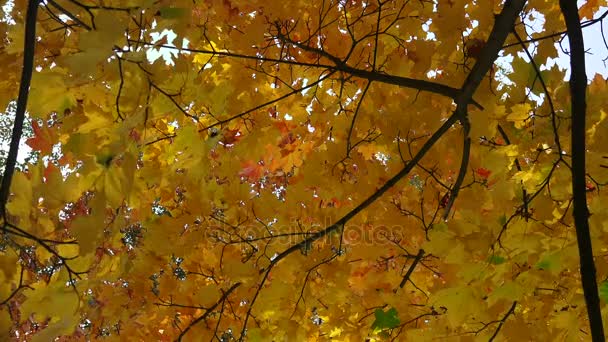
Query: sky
[596, 50]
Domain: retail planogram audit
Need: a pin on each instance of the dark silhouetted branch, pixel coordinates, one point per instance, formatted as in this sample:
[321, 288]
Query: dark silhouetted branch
[24, 89]
[208, 311]
[578, 89]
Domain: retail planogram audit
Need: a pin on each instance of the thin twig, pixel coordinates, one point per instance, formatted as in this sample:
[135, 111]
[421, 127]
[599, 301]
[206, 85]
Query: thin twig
[208, 311]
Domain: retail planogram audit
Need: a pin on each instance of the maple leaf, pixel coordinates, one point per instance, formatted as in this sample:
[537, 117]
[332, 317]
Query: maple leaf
[251, 170]
[230, 171]
[42, 140]
[385, 319]
[230, 136]
[483, 172]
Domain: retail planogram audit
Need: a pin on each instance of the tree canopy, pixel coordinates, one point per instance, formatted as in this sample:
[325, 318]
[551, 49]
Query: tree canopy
[302, 170]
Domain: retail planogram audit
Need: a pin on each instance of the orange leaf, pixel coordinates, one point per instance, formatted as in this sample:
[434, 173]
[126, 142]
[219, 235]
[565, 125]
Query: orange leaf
[483, 172]
[231, 136]
[251, 170]
[42, 139]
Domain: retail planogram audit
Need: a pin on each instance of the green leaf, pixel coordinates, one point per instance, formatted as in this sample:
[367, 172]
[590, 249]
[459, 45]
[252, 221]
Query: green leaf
[549, 262]
[496, 259]
[604, 291]
[172, 12]
[386, 320]
[502, 220]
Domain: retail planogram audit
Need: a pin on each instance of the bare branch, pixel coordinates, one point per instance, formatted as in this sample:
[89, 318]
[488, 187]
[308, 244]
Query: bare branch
[24, 88]
[578, 90]
[208, 311]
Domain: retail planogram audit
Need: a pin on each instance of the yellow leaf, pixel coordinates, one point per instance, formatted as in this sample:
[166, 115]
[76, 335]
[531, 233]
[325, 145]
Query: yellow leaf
[52, 301]
[20, 203]
[459, 301]
[237, 270]
[335, 332]
[118, 179]
[49, 93]
[520, 113]
[57, 327]
[208, 295]
[510, 291]
[88, 230]
[6, 323]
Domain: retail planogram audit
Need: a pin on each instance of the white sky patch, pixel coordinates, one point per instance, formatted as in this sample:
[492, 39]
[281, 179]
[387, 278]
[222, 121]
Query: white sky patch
[382, 158]
[7, 9]
[166, 54]
[304, 84]
[349, 100]
[502, 70]
[594, 46]
[468, 31]
[64, 18]
[174, 124]
[309, 108]
[426, 27]
[595, 49]
[434, 73]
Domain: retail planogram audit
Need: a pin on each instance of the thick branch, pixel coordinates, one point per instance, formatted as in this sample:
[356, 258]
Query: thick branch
[24, 89]
[372, 198]
[400, 81]
[464, 165]
[502, 26]
[578, 88]
[340, 65]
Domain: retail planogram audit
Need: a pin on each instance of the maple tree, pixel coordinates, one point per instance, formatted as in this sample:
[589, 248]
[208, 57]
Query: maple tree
[344, 170]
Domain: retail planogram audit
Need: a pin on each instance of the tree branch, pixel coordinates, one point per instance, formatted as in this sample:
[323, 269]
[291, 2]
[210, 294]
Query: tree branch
[208, 311]
[400, 81]
[502, 26]
[70, 15]
[502, 321]
[24, 89]
[464, 165]
[372, 198]
[407, 275]
[578, 89]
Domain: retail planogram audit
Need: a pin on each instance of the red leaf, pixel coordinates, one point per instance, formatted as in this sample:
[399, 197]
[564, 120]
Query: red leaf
[444, 200]
[40, 140]
[231, 136]
[483, 172]
[473, 47]
[251, 170]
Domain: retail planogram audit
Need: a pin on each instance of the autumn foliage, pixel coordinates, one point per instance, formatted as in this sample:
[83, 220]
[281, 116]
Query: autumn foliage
[228, 170]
